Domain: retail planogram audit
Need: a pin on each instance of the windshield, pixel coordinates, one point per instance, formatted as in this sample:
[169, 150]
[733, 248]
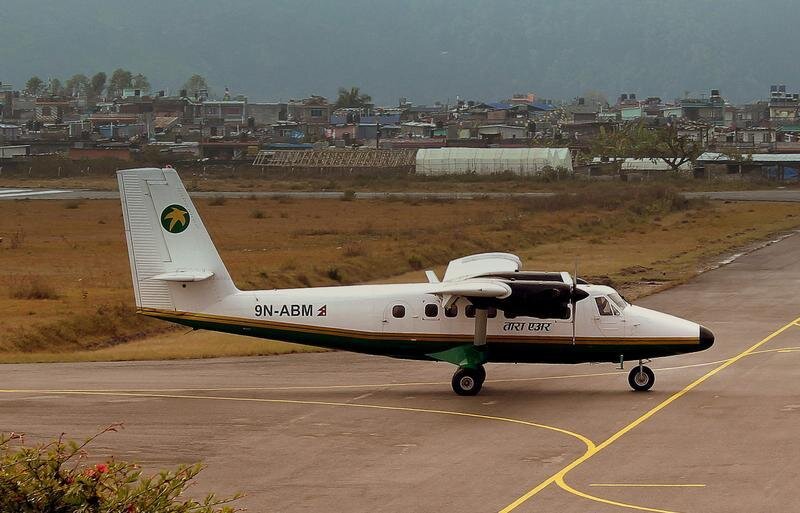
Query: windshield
[617, 299]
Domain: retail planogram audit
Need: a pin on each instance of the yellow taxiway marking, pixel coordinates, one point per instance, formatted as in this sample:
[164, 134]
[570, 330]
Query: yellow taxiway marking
[588, 443]
[564, 486]
[648, 485]
[558, 477]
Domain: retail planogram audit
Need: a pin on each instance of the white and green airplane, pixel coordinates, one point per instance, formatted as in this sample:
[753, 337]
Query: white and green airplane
[484, 309]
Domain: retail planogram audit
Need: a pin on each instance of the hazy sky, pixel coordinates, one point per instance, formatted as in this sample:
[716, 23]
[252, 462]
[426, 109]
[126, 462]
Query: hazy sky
[425, 50]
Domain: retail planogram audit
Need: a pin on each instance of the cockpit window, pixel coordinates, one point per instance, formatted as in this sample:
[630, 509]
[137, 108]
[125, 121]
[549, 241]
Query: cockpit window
[617, 300]
[605, 307]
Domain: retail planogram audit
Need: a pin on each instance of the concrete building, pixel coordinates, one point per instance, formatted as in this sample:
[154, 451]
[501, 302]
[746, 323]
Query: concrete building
[267, 113]
[9, 133]
[48, 110]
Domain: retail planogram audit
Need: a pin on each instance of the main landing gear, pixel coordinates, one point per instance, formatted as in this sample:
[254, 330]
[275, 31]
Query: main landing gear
[641, 378]
[469, 380]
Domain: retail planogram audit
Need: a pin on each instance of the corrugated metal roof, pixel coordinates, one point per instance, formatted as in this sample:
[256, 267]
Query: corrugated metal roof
[499, 106]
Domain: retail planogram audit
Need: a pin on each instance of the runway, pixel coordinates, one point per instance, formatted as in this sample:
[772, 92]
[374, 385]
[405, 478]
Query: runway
[341, 432]
[782, 195]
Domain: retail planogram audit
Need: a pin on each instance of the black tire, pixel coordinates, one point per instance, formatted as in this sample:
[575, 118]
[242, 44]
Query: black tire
[482, 372]
[468, 381]
[641, 381]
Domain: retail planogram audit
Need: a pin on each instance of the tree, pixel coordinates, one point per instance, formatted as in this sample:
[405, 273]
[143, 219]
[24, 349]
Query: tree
[121, 79]
[140, 81]
[195, 84]
[55, 89]
[98, 83]
[34, 85]
[77, 85]
[352, 98]
[635, 140]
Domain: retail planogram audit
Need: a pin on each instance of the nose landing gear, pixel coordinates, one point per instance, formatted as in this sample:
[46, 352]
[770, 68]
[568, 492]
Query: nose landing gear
[641, 378]
[468, 380]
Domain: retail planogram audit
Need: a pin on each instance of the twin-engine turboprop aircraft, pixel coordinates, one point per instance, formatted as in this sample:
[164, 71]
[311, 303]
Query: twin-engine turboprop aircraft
[483, 310]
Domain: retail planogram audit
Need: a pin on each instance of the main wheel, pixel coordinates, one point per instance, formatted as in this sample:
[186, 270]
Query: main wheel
[468, 381]
[641, 378]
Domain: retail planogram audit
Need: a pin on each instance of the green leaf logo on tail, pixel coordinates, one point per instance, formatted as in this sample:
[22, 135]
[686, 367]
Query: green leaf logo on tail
[175, 219]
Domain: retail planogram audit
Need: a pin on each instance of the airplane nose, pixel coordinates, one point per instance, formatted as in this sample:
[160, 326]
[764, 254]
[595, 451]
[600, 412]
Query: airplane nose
[706, 338]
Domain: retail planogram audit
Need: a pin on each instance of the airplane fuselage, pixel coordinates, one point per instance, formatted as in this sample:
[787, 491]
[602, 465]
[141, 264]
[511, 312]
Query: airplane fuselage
[404, 321]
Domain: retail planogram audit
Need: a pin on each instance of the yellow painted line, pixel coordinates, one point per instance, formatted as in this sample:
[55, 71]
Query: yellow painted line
[586, 441]
[558, 477]
[649, 485]
[564, 486]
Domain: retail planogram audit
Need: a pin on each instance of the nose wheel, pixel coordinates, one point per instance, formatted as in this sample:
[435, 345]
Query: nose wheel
[468, 381]
[641, 378]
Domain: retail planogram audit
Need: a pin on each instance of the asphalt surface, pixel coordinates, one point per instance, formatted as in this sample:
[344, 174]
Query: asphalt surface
[342, 432]
[85, 194]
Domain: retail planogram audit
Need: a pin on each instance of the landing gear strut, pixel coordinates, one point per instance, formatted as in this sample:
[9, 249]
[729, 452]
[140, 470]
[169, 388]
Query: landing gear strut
[641, 378]
[468, 381]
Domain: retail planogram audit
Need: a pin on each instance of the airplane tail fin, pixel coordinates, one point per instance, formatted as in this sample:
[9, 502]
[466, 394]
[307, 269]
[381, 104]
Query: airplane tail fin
[174, 264]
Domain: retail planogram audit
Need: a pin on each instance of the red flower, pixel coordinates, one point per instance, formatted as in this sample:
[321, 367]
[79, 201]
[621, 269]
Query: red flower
[101, 468]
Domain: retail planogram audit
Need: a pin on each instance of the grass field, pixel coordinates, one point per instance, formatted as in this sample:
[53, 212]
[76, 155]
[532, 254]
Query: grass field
[65, 291]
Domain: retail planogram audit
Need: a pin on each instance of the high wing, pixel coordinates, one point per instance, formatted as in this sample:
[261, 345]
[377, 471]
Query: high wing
[481, 264]
[493, 280]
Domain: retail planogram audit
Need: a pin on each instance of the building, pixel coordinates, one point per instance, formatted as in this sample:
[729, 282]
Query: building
[9, 133]
[226, 111]
[266, 113]
[501, 132]
[10, 152]
[50, 110]
[711, 109]
[783, 107]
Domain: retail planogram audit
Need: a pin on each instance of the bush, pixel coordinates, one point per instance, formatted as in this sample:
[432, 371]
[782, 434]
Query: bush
[218, 200]
[57, 477]
[31, 287]
[415, 262]
[257, 214]
[334, 274]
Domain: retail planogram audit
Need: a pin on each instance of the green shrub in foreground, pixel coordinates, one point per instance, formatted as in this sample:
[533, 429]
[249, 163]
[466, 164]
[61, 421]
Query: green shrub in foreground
[58, 478]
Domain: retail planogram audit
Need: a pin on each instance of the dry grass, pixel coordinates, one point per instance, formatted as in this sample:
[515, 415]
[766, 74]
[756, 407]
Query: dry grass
[30, 287]
[80, 253]
[168, 346]
[246, 178]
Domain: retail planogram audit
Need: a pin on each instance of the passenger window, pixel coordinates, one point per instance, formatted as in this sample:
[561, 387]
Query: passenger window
[431, 310]
[451, 312]
[509, 315]
[491, 313]
[398, 311]
[604, 306]
[469, 311]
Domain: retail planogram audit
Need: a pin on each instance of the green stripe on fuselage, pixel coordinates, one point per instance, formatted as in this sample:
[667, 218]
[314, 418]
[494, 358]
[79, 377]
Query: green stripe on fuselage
[532, 351]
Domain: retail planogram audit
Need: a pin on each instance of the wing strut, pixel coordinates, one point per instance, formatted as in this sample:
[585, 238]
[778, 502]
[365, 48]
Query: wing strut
[481, 319]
